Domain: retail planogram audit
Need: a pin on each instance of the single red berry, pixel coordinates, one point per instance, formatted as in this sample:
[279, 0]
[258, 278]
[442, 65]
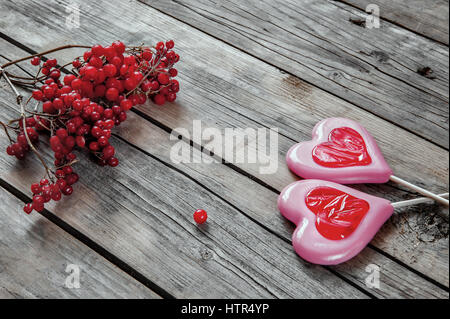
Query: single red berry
[90, 73]
[163, 78]
[119, 47]
[10, 150]
[38, 95]
[60, 173]
[200, 216]
[159, 99]
[76, 84]
[35, 188]
[81, 142]
[110, 70]
[160, 46]
[45, 71]
[147, 55]
[61, 133]
[56, 196]
[28, 208]
[36, 60]
[68, 190]
[108, 152]
[76, 63]
[55, 74]
[113, 162]
[67, 170]
[97, 50]
[171, 97]
[43, 182]
[126, 105]
[173, 72]
[170, 44]
[94, 147]
[51, 63]
[61, 183]
[57, 104]
[112, 94]
[38, 199]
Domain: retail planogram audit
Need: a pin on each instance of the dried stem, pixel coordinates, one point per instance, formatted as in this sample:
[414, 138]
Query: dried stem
[69, 46]
[19, 99]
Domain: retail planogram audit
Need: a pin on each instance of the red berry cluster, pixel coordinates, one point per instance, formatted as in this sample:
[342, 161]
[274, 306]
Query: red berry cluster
[21, 146]
[81, 110]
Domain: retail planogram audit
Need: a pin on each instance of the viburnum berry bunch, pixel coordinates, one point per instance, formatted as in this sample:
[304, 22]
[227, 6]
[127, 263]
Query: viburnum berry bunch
[79, 110]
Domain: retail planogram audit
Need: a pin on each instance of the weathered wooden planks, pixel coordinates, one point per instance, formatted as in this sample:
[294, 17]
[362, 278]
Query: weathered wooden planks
[277, 99]
[142, 211]
[429, 18]
[260, 203]
[263, 209]
[376, 69]
[34, 254]
[237, 190]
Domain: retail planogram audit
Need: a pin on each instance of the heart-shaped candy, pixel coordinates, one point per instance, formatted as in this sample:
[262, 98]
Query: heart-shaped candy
[334, 222]
[342, 151]
[338, 213]
[345, 148]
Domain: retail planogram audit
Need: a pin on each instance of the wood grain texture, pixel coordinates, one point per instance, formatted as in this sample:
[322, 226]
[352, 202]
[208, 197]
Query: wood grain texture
[144, 217]
[237, 189]
[260, 204]
[376, 69]
[34, 254]
[396, 282]
[243, 92]
[429, 17]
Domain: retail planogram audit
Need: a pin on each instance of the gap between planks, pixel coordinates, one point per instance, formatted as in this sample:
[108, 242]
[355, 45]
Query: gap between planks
[204, 186]
[359, 4]
[49, 250]
[165, 7]
[133, 273]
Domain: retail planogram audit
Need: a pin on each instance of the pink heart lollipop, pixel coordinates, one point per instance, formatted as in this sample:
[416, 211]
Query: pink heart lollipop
[343, 151]
[334, 222]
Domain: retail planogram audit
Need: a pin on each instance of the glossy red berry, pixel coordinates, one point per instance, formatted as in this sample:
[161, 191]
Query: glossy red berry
[159, 99]
[170, 44]
[38, 95]
[163, 78]
[113, 162]
[119, 47]
[28, 208]
[200, 216]
[36, 60]
[35, 188]
[112, 94]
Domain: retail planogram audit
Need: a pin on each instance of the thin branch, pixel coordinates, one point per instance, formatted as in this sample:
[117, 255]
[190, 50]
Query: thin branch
[44, 53]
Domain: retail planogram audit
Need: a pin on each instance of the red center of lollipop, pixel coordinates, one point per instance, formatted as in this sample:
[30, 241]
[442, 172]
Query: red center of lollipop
[345, 147]
[338, 213]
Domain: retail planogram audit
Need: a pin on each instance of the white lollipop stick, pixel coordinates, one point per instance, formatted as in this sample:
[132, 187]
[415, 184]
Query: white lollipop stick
[420, 190]
[416, 201]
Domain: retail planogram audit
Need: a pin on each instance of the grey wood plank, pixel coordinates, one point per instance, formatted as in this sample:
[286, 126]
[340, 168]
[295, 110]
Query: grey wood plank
[427, 17]
[272, 99]
[375, 69]
[141, 212]
[260, 203]
[396, 281]
[34, 255]
[238, 189]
